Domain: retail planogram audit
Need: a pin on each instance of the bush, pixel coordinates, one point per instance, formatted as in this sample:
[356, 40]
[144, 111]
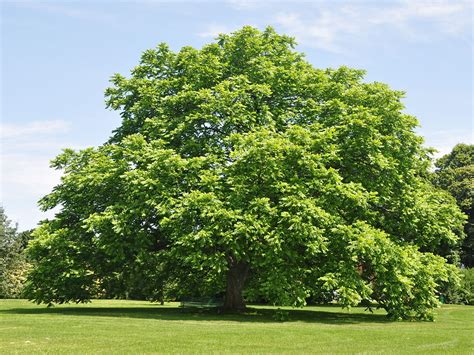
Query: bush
[463, 293]
[13, 262]
[13, 278]
[281, 315]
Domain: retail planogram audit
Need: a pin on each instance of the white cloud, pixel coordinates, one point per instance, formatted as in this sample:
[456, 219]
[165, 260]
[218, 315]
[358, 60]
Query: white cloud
[26, 151]
[320, 32]
[244, 4]
[213, 30]
[444, 140]
[28, 174]
[15, 130]
[330, 27]
[71, 10]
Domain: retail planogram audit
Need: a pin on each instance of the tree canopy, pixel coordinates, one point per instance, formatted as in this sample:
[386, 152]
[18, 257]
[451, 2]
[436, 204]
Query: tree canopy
[455, 173]
[240, 169]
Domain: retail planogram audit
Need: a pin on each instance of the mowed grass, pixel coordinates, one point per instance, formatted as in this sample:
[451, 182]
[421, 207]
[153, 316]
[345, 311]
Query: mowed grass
[134, 327]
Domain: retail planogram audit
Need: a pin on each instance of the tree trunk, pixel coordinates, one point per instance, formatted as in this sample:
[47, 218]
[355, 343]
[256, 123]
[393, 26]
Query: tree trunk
[236, 277]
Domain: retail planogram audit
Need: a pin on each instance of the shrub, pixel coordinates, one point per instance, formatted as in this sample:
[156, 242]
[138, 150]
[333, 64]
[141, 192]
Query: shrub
[463, 293]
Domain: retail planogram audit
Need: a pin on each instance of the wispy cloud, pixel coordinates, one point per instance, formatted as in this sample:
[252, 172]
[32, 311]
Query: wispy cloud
[69, 9]
[28, 174]
[16, 130]
[25, 154]
[213, 30]
[330, 27]
[320, 32]
[245, 4]
[26, 150]
[444, 140]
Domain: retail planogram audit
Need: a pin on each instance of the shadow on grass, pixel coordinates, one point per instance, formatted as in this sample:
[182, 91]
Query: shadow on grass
[260, 315]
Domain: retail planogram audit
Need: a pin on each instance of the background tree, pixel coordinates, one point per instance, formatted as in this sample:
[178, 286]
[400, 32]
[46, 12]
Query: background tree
[455, 173]
[13, 263]
[240, 169]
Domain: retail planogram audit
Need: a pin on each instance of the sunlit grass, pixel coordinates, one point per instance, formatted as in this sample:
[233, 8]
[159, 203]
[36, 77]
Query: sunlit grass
[141, 327]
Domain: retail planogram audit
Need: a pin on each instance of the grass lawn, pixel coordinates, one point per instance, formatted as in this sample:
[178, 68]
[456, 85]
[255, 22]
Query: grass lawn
[135, 327]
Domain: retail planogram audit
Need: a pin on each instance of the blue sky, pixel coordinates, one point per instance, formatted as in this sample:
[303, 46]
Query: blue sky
[57, 58]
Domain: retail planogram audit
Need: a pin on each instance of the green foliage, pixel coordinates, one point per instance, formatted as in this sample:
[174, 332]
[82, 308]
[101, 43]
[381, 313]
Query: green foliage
[467, 284]
[240, 168]
[463, 291]
[370, 266]
[281, 315]
[13, 263]
[455, 173]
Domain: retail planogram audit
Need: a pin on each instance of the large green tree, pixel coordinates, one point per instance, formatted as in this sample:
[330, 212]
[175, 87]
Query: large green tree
[455, 173]
[241, 169]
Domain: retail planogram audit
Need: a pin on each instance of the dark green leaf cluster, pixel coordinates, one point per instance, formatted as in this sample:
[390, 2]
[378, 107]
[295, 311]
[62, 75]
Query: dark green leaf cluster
[455, 173]
[462, 292]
